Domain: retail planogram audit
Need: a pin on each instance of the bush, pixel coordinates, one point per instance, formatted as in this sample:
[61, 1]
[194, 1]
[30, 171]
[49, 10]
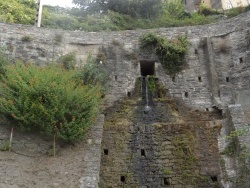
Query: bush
[48, 99]
[94, 73]
[206, 11]
[150, 41]
[5, 145]
[170, 52]
[3, 62]
[68, 61]
[16, 11]
[26, 38]
[234, 11]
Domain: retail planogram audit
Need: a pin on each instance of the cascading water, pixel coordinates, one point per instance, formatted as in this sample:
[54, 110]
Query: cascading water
[147, 107]
[141, 79]
[146, 91]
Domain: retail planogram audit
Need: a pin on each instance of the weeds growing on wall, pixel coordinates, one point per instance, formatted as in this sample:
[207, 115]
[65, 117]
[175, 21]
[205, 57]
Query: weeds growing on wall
[58, 39]
[241, 153]
[5, 145]
[26, 38]
[93, 73]
[49, 99]
[68, 61]
[170, 52]
[151, 84]
[184, 151]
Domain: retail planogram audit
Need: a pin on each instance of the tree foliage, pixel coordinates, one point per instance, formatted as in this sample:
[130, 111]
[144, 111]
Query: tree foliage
[135, 9]
[17, 11]
[174, 8]
[48, 99]
[102, 15]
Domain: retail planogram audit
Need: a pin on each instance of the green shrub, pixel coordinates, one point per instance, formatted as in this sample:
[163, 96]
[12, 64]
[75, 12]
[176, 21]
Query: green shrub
[26, 38]
[101, 57]
[68, 61]
[63, 21]
[247, 8]
[151, 84]
[170, 52]
[16, 11]
[206, 11]
[234, 11]
[150, 41]
[48, 99]
[3, 62]
[94, 73]
[58, 39]
[5, 145]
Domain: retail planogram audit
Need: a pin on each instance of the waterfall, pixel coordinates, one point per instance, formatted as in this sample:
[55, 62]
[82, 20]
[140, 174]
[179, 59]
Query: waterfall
[141, 79]
[146, 91]
[147, 107]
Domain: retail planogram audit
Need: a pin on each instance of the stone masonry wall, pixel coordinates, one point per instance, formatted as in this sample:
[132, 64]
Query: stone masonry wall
[210, 78]
[217, 73]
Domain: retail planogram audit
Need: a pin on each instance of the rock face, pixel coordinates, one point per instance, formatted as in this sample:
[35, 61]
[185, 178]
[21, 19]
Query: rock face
[214, 80]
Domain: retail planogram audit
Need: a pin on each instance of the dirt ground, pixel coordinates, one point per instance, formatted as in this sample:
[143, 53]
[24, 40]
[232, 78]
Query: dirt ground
[29, 163]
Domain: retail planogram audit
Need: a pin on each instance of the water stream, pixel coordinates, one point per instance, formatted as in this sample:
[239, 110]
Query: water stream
[147, 107]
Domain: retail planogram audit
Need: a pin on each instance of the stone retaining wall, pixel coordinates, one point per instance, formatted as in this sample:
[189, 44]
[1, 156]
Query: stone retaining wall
[217, 73]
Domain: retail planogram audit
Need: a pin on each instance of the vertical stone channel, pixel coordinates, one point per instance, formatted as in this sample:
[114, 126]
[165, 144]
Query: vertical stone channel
[155, 146]
[142, 145]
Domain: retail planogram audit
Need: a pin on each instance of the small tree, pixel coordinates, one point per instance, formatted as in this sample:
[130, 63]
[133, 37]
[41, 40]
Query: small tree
[174, 9]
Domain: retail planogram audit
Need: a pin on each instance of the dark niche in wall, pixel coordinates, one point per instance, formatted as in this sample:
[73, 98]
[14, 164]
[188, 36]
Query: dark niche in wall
[106, 151]
[147, 67]
[129, 94]
[241, 60]
[218, 93]
[143, 152]
[218, 111]
[166, 182]
[214, 178]
[123, 179]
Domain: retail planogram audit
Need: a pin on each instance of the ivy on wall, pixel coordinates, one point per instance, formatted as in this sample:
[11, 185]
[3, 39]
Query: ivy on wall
[171, 53]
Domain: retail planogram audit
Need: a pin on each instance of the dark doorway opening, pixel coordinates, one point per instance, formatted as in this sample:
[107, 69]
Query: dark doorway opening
[147, 68]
